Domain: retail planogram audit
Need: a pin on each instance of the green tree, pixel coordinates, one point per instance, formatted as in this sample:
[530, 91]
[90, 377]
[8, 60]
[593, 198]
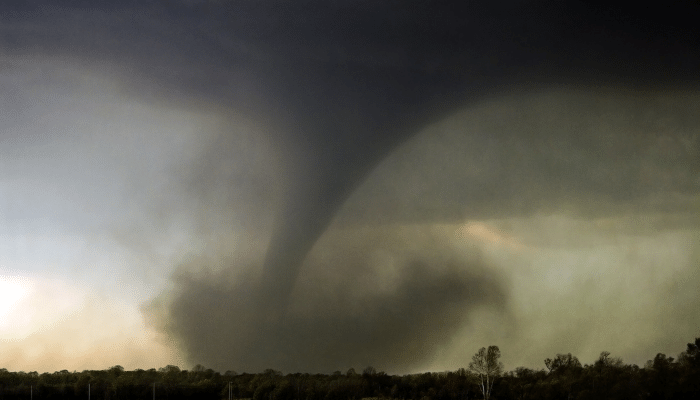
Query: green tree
[116, 371]
[564, 363]
[486, 365]
[690, 358]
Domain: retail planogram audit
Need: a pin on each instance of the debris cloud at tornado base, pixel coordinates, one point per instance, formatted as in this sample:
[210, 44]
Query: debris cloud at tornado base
[385, 297]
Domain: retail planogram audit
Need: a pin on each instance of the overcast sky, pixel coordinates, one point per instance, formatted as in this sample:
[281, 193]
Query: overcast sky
[150, 157]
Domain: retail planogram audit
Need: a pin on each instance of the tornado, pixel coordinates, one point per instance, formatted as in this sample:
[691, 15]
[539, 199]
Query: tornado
[342, 84]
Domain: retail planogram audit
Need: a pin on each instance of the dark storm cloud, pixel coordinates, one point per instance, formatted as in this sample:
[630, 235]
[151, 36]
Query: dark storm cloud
[339, 85]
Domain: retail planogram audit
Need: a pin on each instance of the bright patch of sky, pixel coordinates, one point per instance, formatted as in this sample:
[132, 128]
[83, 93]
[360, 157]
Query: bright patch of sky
[81, 165]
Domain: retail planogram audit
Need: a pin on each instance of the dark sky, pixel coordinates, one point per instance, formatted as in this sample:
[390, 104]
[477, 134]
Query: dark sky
[318, 185]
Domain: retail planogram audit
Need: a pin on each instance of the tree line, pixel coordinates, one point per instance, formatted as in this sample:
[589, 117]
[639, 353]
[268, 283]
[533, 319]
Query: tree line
[564, 377]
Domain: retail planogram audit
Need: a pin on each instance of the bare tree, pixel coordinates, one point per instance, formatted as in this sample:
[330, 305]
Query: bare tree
[485, 364]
